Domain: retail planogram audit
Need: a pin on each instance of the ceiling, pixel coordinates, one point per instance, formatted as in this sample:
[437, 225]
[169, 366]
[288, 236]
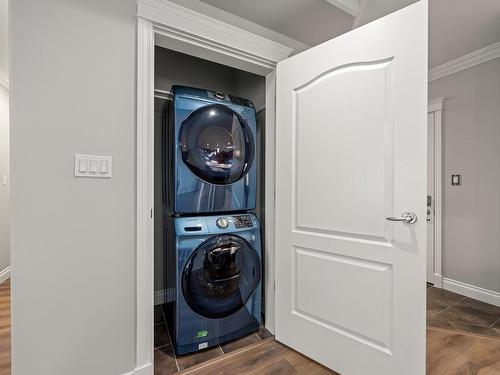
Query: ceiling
[457, 27]
[308, 21]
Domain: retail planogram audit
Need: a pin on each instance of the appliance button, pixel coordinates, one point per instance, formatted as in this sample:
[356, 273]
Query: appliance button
[219, 95]
[222, 223]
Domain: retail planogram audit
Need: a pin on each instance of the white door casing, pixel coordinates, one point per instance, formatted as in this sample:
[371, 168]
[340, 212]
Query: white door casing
[351, 144]
[172, 26]
[435, 185]
[431, 197]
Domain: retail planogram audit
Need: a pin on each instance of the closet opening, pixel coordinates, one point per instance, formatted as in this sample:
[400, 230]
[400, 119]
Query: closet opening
[209, 210]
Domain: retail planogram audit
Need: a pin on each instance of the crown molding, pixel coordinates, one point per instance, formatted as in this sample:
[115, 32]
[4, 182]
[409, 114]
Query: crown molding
[465, 62]
[4, 79]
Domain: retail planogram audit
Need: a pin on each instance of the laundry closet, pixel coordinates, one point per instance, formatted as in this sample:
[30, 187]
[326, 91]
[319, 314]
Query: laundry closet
[209, 187]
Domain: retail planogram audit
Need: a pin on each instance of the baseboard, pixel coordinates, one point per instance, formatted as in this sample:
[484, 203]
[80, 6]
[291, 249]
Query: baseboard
[438, 281]
[471, 291]
[144, 370]
[160, 296]
[5, 274]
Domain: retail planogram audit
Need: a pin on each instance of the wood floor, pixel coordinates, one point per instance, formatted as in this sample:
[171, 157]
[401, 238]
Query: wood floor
[5, 328]
[462, 339]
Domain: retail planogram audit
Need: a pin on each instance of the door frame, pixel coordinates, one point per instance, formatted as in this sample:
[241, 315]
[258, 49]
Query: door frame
[435, 108]
[169, 25]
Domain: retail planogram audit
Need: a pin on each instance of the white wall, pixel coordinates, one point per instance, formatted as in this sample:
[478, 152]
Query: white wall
[73, 240]
[471, 132]
[4, 36]
[4, 171]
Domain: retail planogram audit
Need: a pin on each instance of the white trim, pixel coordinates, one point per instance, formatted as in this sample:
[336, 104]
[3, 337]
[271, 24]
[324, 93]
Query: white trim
[215, 40]
[192, 33]
[4, 79]
[145, 194]
[4, 274]
[472, 291]
[435, 107]
[465, 62]
[270, 195]
[146, 370]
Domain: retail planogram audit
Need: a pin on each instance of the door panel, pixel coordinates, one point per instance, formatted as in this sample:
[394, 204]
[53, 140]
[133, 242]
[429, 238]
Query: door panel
[339, 312]
[351, 145]
[358, 142]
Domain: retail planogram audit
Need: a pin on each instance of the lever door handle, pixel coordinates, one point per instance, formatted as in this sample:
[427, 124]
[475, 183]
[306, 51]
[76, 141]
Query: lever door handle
[407, 217]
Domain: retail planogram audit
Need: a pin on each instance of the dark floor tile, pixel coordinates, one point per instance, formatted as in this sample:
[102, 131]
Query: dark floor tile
[158, 315]
[482, 306]
[190, 360]
[440, 299]
[253, 338]
[264, 333]
[434, 320]
[445, 347]
[484, 331]
[472, 312]
[164, 361]
[496, 326]
[281, 367]
[161, 337]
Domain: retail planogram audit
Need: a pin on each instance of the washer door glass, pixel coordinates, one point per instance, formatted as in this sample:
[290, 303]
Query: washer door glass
[220, 276]
[217, 144]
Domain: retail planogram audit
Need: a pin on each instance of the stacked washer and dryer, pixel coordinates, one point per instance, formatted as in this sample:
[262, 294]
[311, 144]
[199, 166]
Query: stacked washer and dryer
[213, 246]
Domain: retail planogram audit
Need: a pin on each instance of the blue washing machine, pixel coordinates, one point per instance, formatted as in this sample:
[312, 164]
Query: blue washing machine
[210, 153]
[216, 261]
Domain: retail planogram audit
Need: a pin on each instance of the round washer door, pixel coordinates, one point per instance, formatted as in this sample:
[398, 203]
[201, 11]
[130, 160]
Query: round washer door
[217, 144]
[220, 276]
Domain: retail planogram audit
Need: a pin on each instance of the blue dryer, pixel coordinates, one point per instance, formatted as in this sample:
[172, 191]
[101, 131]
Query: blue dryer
[210, 153]
[216, 261]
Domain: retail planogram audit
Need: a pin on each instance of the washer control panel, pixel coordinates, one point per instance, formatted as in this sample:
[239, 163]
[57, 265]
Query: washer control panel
[222, 223]
[243, 221]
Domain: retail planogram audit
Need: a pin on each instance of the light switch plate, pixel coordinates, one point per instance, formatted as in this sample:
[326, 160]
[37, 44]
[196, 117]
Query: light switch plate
[93, 166]
[456, 179]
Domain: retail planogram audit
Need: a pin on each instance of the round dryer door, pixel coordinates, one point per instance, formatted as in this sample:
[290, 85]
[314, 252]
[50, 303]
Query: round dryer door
[220, 276]
[217, 145]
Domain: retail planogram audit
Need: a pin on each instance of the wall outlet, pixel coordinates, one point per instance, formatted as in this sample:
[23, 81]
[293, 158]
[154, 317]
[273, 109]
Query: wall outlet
[93, 166]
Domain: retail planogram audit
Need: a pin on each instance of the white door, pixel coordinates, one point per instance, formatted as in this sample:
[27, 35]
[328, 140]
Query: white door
[430, 198]
[351, 144]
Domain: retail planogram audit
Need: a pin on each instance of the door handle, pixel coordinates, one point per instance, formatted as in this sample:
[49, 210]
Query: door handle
[407, 217]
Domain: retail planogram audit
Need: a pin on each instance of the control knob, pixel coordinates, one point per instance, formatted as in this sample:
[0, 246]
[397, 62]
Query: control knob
[222, 223]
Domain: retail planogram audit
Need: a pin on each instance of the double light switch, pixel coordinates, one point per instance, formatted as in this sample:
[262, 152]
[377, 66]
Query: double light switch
[93, 166]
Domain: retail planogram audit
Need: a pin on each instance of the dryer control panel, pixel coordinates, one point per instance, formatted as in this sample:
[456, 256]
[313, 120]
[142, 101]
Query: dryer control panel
[243, 221]
[230, 98]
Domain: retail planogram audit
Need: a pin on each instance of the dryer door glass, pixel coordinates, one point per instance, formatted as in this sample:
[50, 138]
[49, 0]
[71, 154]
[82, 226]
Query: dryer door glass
[220, 276]
[217, 144]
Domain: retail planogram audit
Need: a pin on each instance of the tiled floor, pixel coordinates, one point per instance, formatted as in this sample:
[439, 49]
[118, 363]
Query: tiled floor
[454, 312]
[166, 362]
[463, 338]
